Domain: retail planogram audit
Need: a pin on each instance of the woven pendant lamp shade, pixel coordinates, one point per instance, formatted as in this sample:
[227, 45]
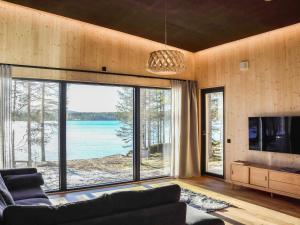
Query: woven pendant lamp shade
[166, 62]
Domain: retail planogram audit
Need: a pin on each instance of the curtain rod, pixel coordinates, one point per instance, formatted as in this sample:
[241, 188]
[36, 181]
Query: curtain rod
[88, 71]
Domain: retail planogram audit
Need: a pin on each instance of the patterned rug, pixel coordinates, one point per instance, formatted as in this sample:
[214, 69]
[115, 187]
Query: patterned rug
[202, 202]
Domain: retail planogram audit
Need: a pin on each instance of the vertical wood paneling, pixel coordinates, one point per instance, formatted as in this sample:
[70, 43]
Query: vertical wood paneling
[33, 37]
[270, 87]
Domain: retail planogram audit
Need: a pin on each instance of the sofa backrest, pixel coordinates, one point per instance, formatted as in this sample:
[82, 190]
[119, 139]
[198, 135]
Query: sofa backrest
[167, 214]
[105, 206]
[18, 171]
[131, 200]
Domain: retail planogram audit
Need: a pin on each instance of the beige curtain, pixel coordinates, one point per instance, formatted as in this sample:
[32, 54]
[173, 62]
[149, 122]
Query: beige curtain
[185, 130]
[5, 116]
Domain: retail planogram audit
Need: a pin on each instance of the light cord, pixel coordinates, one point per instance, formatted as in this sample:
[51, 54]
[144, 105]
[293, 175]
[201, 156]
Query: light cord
[166, 34]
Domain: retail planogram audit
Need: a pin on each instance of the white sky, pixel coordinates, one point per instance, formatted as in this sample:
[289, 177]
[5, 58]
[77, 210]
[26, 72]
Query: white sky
[92, 98]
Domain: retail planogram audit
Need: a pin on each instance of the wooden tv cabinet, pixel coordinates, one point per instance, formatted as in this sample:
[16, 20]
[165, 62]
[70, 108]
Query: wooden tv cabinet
[265, 178]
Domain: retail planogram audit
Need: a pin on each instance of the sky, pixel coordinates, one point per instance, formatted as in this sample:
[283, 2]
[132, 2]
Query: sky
[92, 98]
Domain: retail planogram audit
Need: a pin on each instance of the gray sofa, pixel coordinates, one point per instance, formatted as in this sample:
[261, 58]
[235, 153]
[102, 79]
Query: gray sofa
[159, 206]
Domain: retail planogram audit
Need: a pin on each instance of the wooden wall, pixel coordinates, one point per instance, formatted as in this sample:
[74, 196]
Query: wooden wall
[271, 86]
[33, 37]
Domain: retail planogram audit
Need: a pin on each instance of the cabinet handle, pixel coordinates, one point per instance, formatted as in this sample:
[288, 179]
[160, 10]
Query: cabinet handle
[266, 178]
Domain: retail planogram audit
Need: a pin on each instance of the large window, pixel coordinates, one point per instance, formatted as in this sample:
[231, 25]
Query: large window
[35, 128]
[99, 134]
[80, 135]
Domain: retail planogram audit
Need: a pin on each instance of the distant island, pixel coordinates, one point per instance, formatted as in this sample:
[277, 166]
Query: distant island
[92, 116]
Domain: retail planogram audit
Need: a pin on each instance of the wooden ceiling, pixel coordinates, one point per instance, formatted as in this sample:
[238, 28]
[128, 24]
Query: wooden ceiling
[192, 24]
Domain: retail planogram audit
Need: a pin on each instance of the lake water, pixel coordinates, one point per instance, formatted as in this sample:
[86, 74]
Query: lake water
[85, 140]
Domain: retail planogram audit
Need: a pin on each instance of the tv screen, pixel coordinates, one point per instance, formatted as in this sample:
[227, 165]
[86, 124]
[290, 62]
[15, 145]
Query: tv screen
[275, 134]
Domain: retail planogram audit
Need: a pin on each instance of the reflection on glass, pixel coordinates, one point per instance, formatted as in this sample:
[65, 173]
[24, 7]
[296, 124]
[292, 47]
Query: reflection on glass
[35, 107]
[155, 132]
[99, 134]
[214, 137]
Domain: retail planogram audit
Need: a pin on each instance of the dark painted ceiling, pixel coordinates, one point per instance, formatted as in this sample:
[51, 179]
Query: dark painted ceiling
[192, 24]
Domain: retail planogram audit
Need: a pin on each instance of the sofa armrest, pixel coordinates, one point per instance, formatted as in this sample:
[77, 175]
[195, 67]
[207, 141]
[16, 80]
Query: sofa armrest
[18, 171]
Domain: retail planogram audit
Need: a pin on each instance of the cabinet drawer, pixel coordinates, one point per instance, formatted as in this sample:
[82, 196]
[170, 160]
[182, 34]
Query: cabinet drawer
[240, 173]
[259, 177]
[284, 177]
[284, 187]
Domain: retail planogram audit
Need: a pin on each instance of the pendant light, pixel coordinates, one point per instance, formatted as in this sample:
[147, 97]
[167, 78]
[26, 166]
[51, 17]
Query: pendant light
[166, 61]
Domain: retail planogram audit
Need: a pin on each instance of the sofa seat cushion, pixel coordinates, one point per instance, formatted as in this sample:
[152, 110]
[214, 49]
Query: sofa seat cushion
[33, 201]
[26, 193]
[131, 200]
[197, 217]
[4, 192]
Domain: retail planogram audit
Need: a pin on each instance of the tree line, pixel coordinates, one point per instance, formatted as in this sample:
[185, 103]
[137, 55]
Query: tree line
[91, 116]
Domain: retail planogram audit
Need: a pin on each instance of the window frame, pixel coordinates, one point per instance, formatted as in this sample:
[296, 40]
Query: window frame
[62, 132]
[203, 131]
[159, 176]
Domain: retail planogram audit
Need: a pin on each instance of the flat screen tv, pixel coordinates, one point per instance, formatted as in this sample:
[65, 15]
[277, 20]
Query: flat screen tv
[275, 134]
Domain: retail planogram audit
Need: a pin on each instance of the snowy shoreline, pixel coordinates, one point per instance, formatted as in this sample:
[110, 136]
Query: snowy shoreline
[110, 169]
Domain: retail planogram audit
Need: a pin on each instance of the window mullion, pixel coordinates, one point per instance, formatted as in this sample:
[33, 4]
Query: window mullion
[136, 132]
[62, 136]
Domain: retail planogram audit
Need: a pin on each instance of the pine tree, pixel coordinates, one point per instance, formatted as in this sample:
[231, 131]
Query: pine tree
[153, 116]
[125, 115]
[35, 103]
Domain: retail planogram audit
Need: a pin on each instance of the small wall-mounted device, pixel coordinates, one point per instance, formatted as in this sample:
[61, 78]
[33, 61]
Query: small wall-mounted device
[244, 65]
[104, 68]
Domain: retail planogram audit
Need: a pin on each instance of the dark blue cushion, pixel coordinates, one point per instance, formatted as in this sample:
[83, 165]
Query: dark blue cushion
[26, 193]
[6, 195]
[17, 171]
[33, 201]
[23, 181]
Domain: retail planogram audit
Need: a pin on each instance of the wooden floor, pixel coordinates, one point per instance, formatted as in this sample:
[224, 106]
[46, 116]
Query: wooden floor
[250, 206]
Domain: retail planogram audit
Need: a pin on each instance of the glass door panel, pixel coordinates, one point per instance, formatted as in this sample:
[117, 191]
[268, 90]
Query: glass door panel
[155, 132]
[99, 130]
[213, 131]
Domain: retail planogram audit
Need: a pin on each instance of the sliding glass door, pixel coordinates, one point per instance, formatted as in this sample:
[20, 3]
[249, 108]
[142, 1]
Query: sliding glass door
[80, 135]
[213, 131]
[99, 134]
[155, 132]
